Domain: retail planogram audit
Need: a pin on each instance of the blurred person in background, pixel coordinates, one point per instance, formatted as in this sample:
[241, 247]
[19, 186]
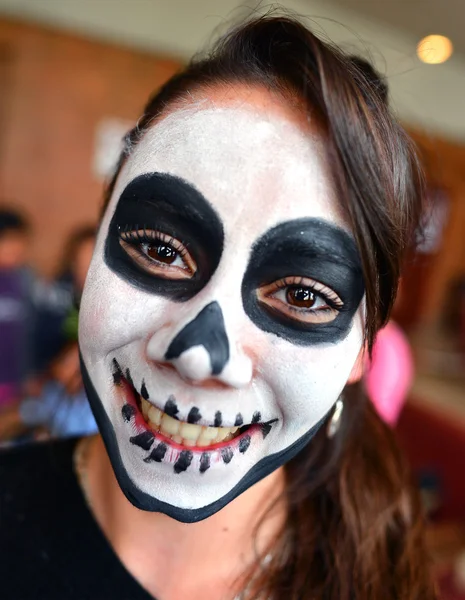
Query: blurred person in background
[56, 404]
[58, 301]
[16, 305]
[249, 252]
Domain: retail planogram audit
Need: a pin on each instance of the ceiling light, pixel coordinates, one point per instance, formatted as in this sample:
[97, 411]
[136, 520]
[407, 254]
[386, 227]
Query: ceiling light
[434, 49]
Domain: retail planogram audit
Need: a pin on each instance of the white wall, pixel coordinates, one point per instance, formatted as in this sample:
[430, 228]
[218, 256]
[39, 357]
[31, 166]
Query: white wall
[431, 97]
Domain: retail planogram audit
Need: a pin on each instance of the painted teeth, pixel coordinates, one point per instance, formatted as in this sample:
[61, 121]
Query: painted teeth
[184, 433]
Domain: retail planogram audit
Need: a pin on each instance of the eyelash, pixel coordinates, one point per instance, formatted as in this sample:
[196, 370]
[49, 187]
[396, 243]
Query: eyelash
[268, 295]
[149, 236]
[137, 236]
[319, 289]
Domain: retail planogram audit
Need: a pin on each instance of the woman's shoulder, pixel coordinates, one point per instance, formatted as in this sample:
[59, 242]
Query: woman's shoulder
[36, 482]
[38, 498]
[35, 468]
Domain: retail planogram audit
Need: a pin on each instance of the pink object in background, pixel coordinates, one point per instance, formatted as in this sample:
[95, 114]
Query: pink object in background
[8, 394]
[390, 373]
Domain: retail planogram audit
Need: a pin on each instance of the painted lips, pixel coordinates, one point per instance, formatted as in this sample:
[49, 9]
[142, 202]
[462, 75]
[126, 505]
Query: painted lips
[165, 438]
[187, 434]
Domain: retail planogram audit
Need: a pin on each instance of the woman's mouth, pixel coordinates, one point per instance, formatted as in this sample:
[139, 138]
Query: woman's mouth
[165, 424]
[190, 443]
[187, 434]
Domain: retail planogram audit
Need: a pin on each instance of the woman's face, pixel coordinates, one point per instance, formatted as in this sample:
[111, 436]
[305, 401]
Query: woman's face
[222, 315]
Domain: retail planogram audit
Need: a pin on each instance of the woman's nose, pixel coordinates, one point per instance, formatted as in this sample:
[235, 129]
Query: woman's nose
[202, 351]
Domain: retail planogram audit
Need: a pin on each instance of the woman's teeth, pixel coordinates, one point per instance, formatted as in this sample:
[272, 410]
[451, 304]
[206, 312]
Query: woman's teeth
[186, 434]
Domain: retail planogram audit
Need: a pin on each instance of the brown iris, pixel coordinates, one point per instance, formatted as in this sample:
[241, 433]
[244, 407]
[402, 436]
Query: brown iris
[300, 296]
[162, 253]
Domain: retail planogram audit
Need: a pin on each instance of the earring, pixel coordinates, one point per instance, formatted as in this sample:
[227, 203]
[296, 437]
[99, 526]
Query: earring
[335, 420]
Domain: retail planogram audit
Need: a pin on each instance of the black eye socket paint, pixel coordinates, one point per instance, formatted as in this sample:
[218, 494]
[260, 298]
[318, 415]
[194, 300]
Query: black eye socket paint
[170, 205]
[310, 248]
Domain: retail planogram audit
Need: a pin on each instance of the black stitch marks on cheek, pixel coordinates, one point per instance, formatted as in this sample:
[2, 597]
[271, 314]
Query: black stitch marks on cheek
[144, 440]
[227, 455]
[117, 373]
[194, 415]
[218, 419]
[129, 378]
[143, 391]
[171, 408]
[266, 427]
[204, 462]
[244, 443]
[256, 417]
[183, 462]
[157, 453]
[128, 411]
[239, 420]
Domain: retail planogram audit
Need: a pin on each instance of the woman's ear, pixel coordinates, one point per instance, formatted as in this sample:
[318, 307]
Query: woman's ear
[359, 366]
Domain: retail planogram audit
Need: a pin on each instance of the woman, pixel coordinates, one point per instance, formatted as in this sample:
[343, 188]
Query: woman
[249, 250]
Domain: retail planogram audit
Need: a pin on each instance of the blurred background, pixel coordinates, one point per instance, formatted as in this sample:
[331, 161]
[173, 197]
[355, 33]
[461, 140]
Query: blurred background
[74, 75]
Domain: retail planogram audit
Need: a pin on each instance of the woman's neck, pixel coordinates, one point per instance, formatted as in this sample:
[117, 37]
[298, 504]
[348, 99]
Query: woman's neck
[171, 559]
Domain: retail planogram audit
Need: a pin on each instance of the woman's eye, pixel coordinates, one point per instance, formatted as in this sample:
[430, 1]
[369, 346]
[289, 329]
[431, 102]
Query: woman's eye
[158, 253]
[301, 299]
[300, 296]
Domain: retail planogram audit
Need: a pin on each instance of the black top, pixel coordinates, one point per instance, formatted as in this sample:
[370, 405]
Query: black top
[51, 548]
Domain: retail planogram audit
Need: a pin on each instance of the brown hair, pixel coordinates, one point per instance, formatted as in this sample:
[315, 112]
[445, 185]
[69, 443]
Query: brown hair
[354, 526]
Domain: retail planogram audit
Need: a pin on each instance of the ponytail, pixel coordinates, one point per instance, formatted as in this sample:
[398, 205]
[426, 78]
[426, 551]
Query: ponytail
[354, 527]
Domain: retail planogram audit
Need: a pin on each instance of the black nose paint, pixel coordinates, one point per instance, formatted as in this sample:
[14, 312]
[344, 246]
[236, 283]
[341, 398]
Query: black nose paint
[207, 330]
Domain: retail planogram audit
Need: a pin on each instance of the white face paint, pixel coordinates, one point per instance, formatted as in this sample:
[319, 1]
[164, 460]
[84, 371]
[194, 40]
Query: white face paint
[182, 305]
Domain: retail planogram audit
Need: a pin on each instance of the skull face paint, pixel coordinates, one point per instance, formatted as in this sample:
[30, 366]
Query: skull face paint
[222, 312]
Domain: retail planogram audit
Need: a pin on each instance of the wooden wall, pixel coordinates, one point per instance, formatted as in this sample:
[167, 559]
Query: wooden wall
[55, 89]
[427, 281]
